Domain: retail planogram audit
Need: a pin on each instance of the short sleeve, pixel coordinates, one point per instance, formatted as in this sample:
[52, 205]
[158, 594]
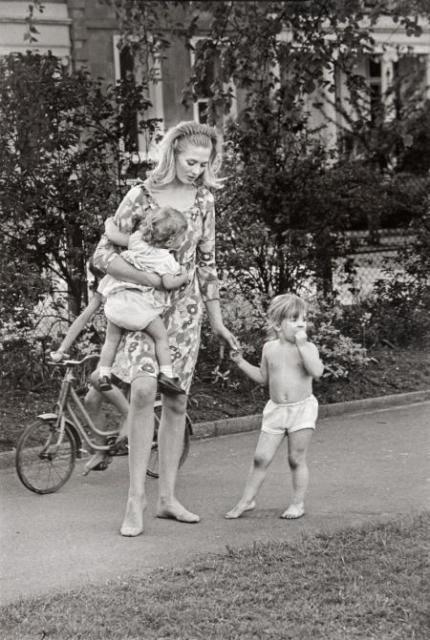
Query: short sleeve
[127, 216]
[206, 265]
[170, 266]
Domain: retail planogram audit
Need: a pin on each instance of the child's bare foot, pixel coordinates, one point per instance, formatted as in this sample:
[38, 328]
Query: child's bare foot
[294, 511]
[176, 511]
[239, 509]
[132, 525]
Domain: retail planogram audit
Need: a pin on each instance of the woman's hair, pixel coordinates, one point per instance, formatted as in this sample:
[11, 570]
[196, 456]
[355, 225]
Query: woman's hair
[286, 305]
[175, 141]
[162, 225]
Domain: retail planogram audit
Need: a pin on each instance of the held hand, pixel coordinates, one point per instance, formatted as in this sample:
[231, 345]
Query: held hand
[236, 355]
[222, 332]
[58, 356]
[301, 337]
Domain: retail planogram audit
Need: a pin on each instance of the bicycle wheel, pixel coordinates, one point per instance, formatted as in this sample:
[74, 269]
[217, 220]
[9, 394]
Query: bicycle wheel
[41, 466]
[152, 469]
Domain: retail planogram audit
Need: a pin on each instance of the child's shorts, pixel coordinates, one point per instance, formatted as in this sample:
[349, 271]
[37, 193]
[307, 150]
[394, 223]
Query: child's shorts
[129, 310]
[279, 419]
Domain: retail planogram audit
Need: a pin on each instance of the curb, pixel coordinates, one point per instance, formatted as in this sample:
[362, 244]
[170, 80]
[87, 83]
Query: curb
[242, 424]
[250, 423]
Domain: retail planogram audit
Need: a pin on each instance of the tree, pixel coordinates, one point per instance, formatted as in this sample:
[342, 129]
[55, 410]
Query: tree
[292, 193]
[61, 168]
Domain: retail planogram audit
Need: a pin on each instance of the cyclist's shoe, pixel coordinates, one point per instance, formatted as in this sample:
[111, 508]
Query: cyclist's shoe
[169, 385]
[98, 462]
[120, 448]
[105, 383]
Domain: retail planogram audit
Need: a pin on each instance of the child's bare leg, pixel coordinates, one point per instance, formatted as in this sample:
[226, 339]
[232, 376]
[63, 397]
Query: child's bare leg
[298, 443]
[158, 332]
[107, 354]
[167, 383]
[267, 446]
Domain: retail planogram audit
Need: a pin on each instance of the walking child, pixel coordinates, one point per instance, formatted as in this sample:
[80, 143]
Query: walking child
[135, 307]
[289, 363]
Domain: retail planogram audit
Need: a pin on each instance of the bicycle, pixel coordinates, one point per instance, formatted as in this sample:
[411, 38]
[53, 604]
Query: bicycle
[48, 448]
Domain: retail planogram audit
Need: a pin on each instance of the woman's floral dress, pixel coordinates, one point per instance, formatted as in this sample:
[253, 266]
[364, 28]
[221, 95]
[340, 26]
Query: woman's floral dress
[135, 356]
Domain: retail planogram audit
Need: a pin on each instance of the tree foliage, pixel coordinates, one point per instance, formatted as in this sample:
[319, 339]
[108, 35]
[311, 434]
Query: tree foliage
[61, 168]
[290, 193]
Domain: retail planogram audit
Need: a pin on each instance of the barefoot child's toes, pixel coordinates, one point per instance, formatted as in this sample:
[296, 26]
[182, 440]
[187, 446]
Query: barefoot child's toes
[294, 511]
[239, 509]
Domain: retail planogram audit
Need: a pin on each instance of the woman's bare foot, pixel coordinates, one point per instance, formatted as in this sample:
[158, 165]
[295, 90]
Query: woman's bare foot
[176, 511]
[132, 525]
[294, 511]
[239, 509]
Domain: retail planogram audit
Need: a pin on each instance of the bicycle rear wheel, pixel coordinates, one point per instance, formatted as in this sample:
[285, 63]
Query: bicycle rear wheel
[152, 470]
[41, 466]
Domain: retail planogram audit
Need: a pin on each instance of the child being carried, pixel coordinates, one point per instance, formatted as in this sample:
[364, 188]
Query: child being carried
[136, 307]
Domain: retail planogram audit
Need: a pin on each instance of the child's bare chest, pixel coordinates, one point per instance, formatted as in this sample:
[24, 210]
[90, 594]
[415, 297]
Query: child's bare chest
[285, 363]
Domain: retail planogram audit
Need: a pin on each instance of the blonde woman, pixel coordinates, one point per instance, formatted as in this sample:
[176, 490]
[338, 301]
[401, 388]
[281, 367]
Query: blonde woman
[183, 177]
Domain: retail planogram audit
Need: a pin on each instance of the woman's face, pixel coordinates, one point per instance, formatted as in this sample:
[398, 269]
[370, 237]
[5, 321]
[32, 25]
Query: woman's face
[191, 162]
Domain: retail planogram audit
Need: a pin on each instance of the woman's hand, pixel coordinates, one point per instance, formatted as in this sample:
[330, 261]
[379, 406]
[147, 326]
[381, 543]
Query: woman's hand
[122, 270]
[222, 332]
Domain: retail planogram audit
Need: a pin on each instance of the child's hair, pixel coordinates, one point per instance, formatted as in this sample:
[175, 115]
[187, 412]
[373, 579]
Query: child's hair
[162, 225]
[175, 141]
[286, 305]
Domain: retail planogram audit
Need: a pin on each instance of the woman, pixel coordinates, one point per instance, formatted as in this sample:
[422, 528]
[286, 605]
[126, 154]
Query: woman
[189, 156]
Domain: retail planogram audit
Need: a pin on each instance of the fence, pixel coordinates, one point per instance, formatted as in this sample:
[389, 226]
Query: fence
[356, 274]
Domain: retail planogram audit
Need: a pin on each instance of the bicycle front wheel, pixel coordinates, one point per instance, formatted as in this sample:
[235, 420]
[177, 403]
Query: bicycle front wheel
[43, 465]
[152, 470]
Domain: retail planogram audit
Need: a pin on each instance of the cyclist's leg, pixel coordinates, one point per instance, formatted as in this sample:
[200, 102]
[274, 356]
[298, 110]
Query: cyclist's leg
[93, 404]
[94, 400]
[141, 426]
[170, 444]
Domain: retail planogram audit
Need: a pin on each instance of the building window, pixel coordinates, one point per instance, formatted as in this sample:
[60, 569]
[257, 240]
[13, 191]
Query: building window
[139, 146]
[375, 88]
[129, 112]
[203, 89]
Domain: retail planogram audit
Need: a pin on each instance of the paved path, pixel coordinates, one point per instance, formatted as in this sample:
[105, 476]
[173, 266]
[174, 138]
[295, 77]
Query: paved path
[364, 468]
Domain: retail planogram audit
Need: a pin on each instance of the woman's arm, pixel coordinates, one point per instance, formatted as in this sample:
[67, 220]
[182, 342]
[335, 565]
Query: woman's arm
[129, 212]
[171, 281]
[213, 308]
[207, 275]
[122, 270]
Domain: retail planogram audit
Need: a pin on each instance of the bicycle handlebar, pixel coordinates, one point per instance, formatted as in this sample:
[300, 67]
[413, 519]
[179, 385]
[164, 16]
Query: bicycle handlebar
[74, 363]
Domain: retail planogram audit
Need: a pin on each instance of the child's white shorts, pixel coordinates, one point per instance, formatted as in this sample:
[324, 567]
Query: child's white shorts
[130, 310]
[289, 417]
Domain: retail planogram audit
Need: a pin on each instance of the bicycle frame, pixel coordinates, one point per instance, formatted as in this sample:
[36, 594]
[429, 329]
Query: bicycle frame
[66, 406]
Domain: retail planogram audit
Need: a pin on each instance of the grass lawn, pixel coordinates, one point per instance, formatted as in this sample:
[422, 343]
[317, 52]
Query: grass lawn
[371, 583]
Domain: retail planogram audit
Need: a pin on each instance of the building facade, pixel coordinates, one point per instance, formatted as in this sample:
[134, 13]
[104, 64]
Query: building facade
[85, 33]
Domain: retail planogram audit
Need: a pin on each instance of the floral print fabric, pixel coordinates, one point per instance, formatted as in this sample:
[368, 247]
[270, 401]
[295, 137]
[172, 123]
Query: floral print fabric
[183, 318]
